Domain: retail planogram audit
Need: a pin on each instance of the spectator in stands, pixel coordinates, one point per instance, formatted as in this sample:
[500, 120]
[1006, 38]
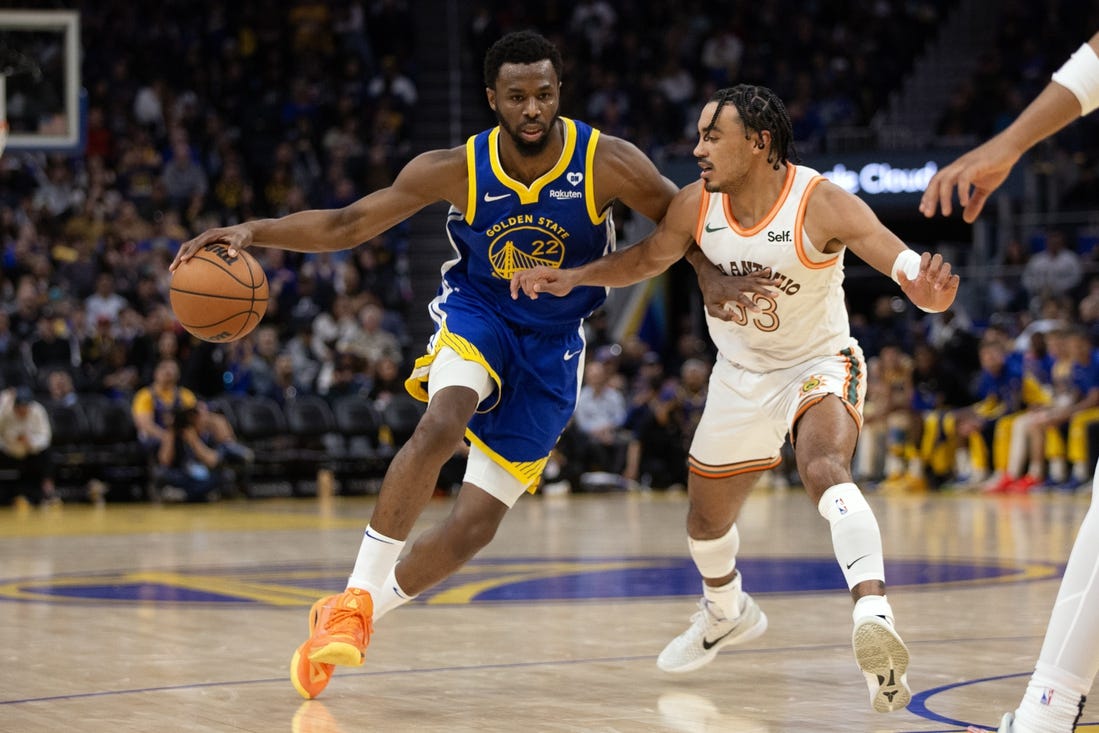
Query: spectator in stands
[155, 406]
[388, 381]
[186, 467]
[54, 345]
[391, 82]
[370, 341]
[597, 444]
[104, 303]
[656, 457]
[285, 384]
[1055, 271]
[59, 386]
[12, 361]
[25, 437]
[1075, 389]
[184, 179]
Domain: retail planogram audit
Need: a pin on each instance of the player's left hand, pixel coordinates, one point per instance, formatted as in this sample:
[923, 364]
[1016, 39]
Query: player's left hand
[722, 294]
[934, 287]
[542, 279]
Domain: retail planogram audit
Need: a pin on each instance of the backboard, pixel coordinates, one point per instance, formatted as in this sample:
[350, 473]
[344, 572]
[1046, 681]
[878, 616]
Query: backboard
[40, 80]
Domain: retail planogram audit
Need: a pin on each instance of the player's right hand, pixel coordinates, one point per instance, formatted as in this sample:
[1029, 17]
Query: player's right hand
[236, 238]
[542, 279]
[975, 176]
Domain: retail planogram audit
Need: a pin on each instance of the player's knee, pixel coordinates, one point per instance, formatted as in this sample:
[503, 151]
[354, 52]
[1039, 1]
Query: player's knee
[439, 431]
[469, 532]
[821, 471]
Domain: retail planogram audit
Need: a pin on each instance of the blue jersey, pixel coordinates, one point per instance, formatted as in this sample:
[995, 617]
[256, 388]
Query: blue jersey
[533, 350]
[508, 226]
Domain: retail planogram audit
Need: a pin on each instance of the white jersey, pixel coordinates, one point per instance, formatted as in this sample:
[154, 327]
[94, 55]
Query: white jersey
[807, 319]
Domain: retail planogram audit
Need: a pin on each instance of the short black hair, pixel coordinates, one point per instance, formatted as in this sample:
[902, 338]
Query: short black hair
[760, 109]
[520, 47]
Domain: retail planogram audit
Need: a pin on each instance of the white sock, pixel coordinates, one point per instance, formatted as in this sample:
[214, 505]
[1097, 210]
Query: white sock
[377, 556]
[1049, 705]
[389, 595]
[872, 606]
[726, 597]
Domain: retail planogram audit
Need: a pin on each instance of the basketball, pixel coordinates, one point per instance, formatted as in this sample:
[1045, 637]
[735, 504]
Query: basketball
[217, 297]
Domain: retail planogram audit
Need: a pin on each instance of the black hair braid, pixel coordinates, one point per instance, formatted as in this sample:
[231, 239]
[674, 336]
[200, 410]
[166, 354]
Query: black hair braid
[760, 109]
[520, 47]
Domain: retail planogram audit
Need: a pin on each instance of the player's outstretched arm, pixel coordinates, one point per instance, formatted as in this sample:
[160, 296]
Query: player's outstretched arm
[429, 177]
[977, 174]
[651, 256]
[838, 219]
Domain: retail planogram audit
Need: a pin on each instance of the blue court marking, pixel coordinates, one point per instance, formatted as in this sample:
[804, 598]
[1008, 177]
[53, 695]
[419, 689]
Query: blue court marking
[919, 707]
[507, 580]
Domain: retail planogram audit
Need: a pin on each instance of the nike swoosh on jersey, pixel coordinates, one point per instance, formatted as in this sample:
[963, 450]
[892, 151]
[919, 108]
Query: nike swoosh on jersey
[490, 198]
[570, 354]
[714, 229]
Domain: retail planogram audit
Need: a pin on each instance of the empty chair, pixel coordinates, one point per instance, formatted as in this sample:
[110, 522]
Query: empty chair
[400, 416]
[70, 444]
[261, 426]
[359, 458]
[115, 456]
[311, 423]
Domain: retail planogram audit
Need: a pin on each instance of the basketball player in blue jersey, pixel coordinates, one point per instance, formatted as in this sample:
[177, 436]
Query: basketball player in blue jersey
[504, 375]
[1069, 659]
[771, 237]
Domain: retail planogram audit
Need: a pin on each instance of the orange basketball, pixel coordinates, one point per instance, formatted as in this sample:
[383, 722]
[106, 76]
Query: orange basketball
[217, 297]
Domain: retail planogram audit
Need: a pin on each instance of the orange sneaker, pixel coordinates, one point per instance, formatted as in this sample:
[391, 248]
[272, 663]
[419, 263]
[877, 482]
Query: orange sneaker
[339, 630]
[309, 678]
[343, 628]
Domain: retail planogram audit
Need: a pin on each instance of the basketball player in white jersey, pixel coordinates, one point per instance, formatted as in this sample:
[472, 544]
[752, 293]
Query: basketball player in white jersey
[771, 237]
[1069, 659]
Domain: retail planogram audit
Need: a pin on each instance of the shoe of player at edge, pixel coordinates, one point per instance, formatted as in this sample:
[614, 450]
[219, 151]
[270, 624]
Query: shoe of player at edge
[339, 631]
[883, 659]
[708, 633]
[1007, 725]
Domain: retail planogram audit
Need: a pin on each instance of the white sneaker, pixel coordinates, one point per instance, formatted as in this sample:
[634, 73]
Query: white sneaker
[883, 659]
[709, 632]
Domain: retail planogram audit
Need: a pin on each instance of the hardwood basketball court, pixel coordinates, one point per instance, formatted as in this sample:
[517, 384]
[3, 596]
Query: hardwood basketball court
[183, 618]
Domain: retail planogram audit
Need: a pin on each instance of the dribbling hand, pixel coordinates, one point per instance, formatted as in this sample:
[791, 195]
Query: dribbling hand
[237, 238]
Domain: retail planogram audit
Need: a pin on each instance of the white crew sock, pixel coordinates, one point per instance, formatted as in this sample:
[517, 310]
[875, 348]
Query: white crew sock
[377, 556]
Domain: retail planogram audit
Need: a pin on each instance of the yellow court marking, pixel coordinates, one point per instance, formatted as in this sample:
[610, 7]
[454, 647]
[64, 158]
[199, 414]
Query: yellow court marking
[119, 519]
[230, 587]
[518, 573]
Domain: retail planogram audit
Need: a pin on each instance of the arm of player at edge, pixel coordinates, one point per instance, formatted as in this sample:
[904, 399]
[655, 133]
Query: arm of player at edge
[978, 173]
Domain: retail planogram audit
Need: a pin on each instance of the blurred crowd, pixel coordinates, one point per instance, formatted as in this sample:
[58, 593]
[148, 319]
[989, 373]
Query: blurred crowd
[218, 113]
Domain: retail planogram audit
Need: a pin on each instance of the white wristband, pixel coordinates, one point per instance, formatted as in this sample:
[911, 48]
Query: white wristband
[907, 262]
[1080, 75]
